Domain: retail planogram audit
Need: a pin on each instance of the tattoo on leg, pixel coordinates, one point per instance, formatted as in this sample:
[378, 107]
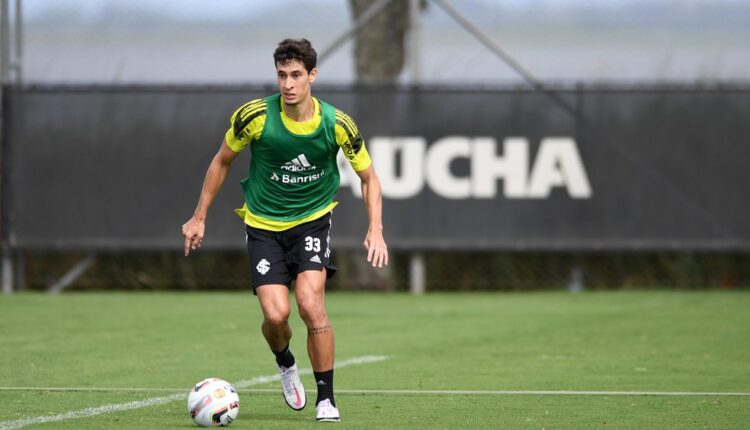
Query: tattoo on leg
[318, 330]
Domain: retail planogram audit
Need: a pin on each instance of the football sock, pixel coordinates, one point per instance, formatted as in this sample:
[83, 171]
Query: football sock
[324, 381]
[284, 358]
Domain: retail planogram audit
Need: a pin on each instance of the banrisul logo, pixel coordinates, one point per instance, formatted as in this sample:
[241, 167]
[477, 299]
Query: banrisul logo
[298, 164]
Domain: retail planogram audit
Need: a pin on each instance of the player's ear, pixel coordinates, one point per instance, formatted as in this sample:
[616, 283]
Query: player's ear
[313, 74]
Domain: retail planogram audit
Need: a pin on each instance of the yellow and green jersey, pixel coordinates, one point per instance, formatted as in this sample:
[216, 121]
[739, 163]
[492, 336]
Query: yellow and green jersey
[293, 175]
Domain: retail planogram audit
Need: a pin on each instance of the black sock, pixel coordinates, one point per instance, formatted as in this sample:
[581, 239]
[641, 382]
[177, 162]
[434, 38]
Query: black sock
[324, 380]
[284, 358]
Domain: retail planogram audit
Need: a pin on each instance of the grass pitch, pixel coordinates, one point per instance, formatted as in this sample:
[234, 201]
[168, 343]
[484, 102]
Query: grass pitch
[538, 360]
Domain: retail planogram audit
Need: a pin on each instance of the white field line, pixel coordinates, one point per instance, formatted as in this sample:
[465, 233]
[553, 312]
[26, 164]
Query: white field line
[154, 401]
[412, 392]
[541, 393]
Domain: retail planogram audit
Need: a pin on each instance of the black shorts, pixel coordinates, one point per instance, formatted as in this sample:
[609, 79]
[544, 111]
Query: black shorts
[276, 257]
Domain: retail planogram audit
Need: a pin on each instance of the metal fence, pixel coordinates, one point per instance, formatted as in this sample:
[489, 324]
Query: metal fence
[228, 41]
[629, 169]
[700, 42]
[444, 271]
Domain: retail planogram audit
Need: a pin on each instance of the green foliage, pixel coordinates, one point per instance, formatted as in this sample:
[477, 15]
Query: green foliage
[445, 271]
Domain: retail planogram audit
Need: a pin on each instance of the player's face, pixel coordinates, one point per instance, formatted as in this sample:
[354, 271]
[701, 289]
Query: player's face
[294, 81]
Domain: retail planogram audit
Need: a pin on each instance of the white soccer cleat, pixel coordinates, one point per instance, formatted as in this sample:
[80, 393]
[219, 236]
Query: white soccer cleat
[291, 387]
[327, 412]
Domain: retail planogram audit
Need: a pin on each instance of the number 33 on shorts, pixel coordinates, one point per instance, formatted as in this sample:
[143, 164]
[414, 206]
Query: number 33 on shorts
[312, 244]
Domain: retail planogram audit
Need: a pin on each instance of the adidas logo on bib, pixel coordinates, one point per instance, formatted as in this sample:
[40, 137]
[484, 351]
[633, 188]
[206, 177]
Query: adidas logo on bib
[298, 164]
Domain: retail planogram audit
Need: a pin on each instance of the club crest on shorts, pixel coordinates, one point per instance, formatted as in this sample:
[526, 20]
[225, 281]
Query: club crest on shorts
[263, 266]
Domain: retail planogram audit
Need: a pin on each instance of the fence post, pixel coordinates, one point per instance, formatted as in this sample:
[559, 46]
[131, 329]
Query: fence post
[7, 260]
[416, 274]
[7, 267]
[18, 43]
[575, 283]
[414, 41]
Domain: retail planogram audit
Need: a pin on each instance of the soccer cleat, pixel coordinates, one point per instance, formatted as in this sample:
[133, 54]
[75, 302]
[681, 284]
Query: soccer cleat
[291, 387]
[327, 412]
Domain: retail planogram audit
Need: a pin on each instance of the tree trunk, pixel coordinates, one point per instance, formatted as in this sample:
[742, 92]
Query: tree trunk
[379, 47]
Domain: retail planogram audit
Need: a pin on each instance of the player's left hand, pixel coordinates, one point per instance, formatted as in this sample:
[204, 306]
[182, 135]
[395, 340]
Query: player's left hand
[194, 231]
[377, 250]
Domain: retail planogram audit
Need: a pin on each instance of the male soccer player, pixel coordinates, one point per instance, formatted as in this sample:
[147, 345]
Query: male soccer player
[293, 177]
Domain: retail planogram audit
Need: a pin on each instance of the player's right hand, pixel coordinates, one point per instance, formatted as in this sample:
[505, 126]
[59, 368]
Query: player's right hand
[193, 230]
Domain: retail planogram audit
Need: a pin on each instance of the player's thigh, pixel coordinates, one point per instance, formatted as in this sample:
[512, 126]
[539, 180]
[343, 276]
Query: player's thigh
[268, 261]
[310, 285]
[274, 302]
[311, 250]
[309, 291]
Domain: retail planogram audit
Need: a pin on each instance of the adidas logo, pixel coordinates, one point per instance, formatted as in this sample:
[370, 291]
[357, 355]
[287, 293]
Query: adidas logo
[321, 382]
[315, 259]
[298, 164]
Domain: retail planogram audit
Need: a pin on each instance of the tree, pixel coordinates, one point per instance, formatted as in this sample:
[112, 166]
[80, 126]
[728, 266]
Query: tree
[379, 50]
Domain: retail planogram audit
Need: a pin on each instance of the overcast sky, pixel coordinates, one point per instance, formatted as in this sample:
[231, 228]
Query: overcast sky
[229, 40]
[222, 9]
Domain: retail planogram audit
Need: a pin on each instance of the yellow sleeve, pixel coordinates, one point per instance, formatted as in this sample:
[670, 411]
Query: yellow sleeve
[246, 124]
[351, 142]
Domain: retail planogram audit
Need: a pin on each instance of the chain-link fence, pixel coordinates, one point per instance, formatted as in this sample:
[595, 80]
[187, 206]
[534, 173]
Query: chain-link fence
[229, 42]
[445, 271]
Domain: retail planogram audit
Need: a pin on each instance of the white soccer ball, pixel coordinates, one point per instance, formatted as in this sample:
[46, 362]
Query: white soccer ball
[213, 402]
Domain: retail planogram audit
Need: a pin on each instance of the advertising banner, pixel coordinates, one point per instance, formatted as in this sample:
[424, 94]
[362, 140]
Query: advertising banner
[122, 167]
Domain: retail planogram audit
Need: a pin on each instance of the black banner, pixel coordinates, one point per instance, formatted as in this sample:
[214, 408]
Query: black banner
[122, 167]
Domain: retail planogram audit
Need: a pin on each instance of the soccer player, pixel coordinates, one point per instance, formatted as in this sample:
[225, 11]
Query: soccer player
[293, 177]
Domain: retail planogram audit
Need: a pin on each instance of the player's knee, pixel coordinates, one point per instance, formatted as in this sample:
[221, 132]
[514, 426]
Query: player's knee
[312, 312]
[277, 319]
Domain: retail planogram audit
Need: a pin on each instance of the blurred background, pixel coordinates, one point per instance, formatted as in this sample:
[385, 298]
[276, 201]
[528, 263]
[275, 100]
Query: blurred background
[564, 55]
[225, 41]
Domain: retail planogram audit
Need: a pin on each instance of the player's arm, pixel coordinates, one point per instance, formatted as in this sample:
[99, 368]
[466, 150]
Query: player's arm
[194, 229]
[246, 125]
[377, 251]
[353, 146]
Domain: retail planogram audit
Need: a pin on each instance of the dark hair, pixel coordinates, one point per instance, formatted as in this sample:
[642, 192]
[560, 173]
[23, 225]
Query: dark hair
[296, 49]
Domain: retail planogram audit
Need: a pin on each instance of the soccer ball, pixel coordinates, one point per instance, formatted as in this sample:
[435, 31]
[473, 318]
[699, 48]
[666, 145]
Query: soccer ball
[213, 402]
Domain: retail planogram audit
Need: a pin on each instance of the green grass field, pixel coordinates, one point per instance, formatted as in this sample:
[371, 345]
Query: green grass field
[94, 361]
